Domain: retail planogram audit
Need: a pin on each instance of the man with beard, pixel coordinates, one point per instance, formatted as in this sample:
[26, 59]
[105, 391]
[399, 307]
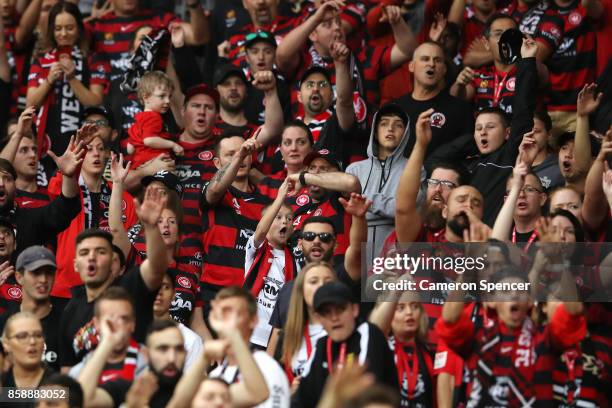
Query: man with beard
[324, 184]
[233, 87]
[32, 174]
[426, 224]
[39, 226]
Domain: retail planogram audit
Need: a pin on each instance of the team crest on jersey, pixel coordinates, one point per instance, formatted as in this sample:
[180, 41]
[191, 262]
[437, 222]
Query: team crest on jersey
[484, 84]
[575, 18]
[184, 282]
[14, 292]
[361, 111]
[108, 37]
[511, 84]
[318, 212]
[302, 200]
[205, 155]
[323, 152]
[230, 18]
[438, 119]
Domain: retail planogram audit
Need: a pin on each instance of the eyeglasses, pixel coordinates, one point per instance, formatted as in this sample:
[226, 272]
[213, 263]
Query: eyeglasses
[527, 190]
[99, 122]
[320, 84]
[23, 337]
[445, 183]
[325, 237]
[257, 34]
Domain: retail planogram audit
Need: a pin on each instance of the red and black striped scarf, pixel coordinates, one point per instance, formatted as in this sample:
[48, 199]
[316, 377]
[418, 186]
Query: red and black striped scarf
[254, 280]
[125, 370]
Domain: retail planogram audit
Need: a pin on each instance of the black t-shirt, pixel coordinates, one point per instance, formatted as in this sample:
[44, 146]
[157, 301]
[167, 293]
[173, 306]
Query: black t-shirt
[452, 117]
[117, 390]
[76, 332]
[95, 209]
[8, 380]
[254, 108]
[50, 325]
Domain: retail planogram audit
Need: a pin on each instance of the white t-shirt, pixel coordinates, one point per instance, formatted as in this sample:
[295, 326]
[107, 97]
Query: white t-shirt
[266, 299]
[193, 344]
[315, 331]
[278, 385]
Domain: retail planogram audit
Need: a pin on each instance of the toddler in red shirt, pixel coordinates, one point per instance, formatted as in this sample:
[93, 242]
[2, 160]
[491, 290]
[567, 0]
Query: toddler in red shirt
[147, 137]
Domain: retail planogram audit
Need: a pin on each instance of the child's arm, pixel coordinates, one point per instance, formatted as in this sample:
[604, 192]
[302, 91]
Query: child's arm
[157, 142]
[268, 217]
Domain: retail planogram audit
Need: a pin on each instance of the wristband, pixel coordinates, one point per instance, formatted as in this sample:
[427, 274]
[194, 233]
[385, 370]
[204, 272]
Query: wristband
[303, 178]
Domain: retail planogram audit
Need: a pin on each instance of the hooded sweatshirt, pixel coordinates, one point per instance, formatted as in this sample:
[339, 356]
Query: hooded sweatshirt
[379, 180]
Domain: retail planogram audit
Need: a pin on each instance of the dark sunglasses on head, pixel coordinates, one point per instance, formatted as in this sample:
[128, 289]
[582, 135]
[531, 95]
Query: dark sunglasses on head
[325, 237]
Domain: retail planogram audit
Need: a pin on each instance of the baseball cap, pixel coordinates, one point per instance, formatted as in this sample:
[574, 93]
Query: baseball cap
[392, 109]
[98, 110]
[224, 71]
[332, 293]
[5, 222]
[314, 69]
[323, 154]
[202, 89]
[260, 36]
[510, 44]
[169, 179]
[35, 257]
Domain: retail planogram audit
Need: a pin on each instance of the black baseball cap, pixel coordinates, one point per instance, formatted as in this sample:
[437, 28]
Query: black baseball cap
[392, 109]
[202, 89]
[325, 154]
[510, 44]
[169, 179]
[35, 257]
[260, 36]
[314, 69]
[98, 110]
[224, 71]
[5, 222]
[332, 293]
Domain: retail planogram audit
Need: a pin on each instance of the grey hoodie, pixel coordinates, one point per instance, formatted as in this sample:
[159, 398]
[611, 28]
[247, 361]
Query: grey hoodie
[379, 183]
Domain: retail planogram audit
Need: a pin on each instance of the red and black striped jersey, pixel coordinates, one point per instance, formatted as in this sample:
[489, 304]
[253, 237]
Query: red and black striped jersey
[573, 64]
[305, 207]
[112, 35]
[226, 228]
[237, 40]
[222, 128]
[39, 198]
[10, 293]
[195, 168]
[494, 88]
[186, 294]
[539, 21]
[269, 185]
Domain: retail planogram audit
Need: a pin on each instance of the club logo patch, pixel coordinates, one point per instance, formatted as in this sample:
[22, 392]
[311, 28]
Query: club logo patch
[14, 292]
[302, 200]
[438, 119]
[184, 282]
[511, 84]
[205, 155]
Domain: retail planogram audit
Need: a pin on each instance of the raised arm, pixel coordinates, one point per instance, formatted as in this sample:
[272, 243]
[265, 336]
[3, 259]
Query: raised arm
[478, 54]
[587, 102]
[27, 23]
[407, 217]
[154, 267]
[264, 224]
[5, 68]
[357, 206]
[90, 374]
[462, 88]
[344, 86]
[405, 41]
[24, 125]
[197, 32]
[594, 209]
[272, 128]
[456, 12]
[288, 51]
[505, 218]
[225, 176]
[69, 165]
[335, 181]
[119, 171]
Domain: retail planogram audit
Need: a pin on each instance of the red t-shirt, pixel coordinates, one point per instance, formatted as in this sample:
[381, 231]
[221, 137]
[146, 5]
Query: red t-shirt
[146, 124]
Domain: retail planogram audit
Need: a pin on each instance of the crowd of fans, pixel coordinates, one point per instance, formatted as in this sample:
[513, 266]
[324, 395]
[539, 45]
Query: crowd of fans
[192, 195]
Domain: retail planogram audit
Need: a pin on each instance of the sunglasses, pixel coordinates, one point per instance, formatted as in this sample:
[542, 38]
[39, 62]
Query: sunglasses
[257, 34]
[325, 237]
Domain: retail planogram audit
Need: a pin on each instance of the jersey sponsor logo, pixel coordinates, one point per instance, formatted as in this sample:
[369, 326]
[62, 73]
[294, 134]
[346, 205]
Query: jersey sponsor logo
[361, 110]
[438, 119]
[556, 33]
[324, 152]
[198, 256]
[230, 18]
[575, 18]
[108, 37]
[179, 303]
[108, 377]
[205, 155]
[50, 356]
[302, 200]
[187, 173]
[511, 84]
[184, 282]
[14, 292]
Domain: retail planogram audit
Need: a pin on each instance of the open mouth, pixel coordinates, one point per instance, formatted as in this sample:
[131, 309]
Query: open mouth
[521, 205]
[317, 251]
[515, 311]
[315, 99]
[430, 73]
[2, 195]
[567, 165]
[91, 270]
[484, 143]
[200, 122]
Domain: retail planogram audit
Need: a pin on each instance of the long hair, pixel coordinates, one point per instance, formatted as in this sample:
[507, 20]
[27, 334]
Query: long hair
[421, 334]
[65, 7]
[297, 316]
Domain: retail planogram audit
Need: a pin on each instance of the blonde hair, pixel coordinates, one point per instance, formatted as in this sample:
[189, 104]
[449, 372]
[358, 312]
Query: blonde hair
[297, 316]
[16, 316]
[152, 80]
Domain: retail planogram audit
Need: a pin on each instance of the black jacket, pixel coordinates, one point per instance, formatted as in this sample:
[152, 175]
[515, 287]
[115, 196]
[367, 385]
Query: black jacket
[39, 226]
[376, 354]
[490, 172]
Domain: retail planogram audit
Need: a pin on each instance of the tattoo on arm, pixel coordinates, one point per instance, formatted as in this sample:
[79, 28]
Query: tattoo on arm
[220, 173]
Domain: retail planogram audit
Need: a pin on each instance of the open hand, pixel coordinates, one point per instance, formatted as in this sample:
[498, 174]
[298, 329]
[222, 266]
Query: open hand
[588, 100]
[71, 160]
[357, 205]
[152, 205]
[119, 169]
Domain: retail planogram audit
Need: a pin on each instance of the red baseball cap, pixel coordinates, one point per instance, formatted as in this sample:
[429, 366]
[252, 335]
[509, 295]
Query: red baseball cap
[202, 89]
